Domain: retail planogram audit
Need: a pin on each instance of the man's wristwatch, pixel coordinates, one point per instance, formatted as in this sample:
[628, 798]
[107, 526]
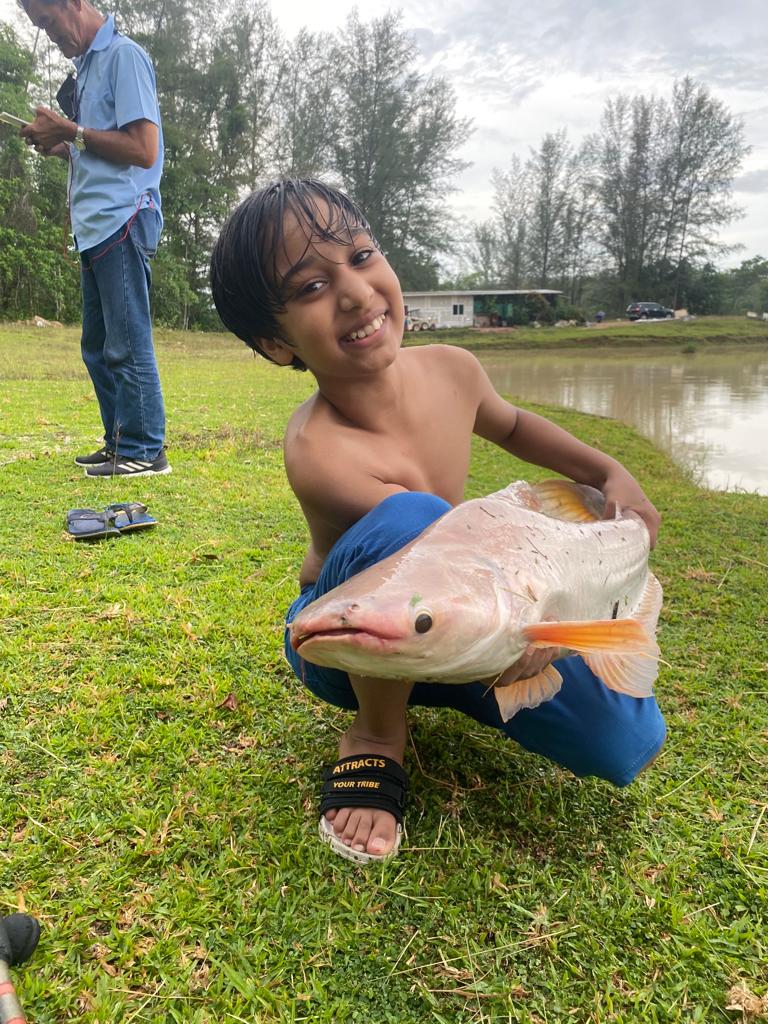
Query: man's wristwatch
[79, 140]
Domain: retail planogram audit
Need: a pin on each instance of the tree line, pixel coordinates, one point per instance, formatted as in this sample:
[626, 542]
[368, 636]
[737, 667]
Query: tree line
[240, 105]
[633, 211]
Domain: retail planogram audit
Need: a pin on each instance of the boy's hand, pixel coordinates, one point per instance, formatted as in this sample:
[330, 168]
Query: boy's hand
[532, 661]
[622, 490]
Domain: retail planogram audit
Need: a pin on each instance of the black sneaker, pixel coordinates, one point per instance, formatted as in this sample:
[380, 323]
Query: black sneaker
[95, 458]
[122, 465]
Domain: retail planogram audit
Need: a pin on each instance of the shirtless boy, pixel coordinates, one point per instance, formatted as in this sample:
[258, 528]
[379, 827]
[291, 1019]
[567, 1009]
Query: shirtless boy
[379, 452]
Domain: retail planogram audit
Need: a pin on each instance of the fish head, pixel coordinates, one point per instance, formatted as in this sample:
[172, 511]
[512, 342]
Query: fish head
[425, 620]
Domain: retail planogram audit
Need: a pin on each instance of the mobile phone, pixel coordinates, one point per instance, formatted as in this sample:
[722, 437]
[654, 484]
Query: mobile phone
[17, 122]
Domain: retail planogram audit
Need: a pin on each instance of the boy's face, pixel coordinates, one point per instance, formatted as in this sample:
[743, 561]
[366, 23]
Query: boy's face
[344, 307]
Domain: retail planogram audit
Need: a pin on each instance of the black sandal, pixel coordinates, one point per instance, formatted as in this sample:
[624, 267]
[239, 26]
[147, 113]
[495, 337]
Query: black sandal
[88, 524]
[363, 780]
[130, 515]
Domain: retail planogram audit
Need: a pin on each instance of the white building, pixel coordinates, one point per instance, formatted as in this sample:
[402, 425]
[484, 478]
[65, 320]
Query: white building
[480, 308]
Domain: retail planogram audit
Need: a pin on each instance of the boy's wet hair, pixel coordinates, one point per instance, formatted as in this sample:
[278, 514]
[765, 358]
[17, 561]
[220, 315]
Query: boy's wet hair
[247, 289]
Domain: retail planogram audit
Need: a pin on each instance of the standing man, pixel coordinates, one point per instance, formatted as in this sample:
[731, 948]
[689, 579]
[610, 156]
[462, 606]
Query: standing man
[114, 144]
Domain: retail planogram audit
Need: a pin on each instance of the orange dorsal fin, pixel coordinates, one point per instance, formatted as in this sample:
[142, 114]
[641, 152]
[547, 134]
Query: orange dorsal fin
[527, 693]
[576, 503]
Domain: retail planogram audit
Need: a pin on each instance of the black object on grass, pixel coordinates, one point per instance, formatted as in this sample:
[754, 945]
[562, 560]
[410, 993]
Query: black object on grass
[19, 935]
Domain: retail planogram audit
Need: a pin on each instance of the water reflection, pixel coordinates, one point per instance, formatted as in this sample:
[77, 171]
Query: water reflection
[708, 409]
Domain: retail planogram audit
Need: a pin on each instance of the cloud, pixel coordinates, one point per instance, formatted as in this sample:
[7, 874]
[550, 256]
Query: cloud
[739, 66]
[429, 42]
[721, 44]
[521, 70]
[752, 181]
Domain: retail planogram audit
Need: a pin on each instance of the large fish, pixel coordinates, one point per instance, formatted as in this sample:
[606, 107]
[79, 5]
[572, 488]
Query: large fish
[531, 564]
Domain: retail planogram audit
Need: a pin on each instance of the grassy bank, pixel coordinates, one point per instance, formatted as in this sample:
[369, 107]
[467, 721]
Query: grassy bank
[708, 330]
[160, 764]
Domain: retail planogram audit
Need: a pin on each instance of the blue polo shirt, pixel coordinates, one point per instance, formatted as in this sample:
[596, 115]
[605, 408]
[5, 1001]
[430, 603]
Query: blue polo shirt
[115, 85]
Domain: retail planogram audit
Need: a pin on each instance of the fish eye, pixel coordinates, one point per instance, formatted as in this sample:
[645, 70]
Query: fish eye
[423, 622]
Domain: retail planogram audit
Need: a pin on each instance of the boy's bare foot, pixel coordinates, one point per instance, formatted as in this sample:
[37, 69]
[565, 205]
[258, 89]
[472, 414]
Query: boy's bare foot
[365, 829]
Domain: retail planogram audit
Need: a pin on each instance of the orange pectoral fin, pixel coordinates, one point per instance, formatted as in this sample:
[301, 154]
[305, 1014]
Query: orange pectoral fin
[586, 637]
[619, 651]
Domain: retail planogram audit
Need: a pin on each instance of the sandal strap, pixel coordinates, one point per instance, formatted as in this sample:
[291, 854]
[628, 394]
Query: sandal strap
[129, 507]
[365, 780]
[106, 517]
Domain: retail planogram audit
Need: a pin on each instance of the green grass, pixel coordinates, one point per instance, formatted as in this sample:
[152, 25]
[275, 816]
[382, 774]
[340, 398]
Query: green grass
[167, 842]
[709, 330]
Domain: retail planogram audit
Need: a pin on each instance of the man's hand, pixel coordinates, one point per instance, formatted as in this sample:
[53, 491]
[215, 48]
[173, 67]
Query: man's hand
[135, 143]
[61, 151]
[48, 131]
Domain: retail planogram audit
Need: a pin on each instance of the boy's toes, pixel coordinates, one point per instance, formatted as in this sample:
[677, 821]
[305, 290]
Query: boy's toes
[338, 817]
[368, 831]
[356, 826]
[382, 837]
[357, 837]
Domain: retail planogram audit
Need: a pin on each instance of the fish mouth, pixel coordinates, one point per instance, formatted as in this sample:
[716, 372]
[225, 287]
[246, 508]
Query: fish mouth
[360, 637]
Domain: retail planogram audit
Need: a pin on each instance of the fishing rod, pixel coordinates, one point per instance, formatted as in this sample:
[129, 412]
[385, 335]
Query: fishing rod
[19, 935]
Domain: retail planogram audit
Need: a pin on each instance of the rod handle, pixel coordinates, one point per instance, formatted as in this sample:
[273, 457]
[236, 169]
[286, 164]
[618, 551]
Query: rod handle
[10, 1007]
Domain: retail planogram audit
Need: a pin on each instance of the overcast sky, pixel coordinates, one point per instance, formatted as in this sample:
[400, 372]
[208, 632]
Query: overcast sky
[521, 70]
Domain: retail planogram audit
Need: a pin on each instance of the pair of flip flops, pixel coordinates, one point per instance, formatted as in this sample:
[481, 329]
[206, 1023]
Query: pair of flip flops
[113, 521]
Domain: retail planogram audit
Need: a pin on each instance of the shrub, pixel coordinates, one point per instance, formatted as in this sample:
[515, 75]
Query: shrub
[539, 309]
[565, 311]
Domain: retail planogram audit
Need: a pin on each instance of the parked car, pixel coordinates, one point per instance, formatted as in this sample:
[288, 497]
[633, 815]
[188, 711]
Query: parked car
[648, 311]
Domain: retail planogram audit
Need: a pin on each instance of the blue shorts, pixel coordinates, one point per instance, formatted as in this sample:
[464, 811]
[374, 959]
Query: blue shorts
[586, 727]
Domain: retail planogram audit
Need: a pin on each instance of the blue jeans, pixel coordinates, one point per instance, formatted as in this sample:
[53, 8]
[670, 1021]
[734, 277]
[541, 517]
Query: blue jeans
[117, 342]
[586, 727]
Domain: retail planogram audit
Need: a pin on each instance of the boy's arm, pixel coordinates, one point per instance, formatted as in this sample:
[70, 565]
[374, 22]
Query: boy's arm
[335, 501]
[537, 440]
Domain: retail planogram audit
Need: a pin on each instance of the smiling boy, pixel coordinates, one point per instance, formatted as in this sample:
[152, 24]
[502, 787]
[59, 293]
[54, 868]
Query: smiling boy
[380, 451]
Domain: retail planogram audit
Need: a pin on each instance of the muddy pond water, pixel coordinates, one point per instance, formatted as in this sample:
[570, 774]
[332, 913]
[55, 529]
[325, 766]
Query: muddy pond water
[708, 409]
